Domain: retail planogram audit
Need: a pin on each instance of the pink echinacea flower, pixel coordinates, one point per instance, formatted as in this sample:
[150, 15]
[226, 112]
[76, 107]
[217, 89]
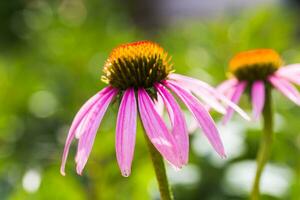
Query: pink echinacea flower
[141, 75]
[256, 70]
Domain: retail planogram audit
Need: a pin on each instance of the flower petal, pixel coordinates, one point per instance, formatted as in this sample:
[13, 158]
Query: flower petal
[209, 99]
[258, 98]
[241, 86]
[189, 80]
[285, 88]
[126, 131]
[179, 127]
[94, 119]
[77, 121]
[226, 86]
[293, 68]
[194, 84]
[290, 76]
[159, 105]
[156, 129]
[202, 90]
[200, 114]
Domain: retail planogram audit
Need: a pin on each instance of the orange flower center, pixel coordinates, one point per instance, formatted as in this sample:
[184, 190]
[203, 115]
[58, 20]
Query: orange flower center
[138, 64]
[255, 64]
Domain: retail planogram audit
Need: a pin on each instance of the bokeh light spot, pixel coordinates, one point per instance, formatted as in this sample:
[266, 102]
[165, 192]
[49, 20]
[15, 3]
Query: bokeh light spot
[275, 179]
[31, 181]
[188, 175]
[43, 104]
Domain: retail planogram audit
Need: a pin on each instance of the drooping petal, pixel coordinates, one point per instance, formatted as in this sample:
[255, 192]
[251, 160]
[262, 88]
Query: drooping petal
[285, 88]
[293, 68]
[126, 131]
[258, 98]
[290, 76]
[200, 114]
[197, 86]
[209, 99]
[241, 86]
[233, 105]
[201, 89]
[293, 78]
[226, 86]
[159, 105]
[189, 80]
[179, 127]
[156, 129]
[192, 122]
[94, 119]
[78, 120]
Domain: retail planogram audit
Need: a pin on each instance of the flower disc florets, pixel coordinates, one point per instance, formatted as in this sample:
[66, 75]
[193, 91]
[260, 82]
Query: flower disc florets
[255, 65]
[138, 64]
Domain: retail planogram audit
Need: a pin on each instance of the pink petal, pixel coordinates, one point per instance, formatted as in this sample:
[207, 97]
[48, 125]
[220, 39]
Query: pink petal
[126, 131]
[156, 129]
[241, 86]
[285, 88]
[200, 114]
[293, 68]
[195, 86]
[159, 105]
[201, 90]
[78, 120]
[188, 80]
[290, 76]
[293, 78]
[94, 119]
[209, 99]
[258, 98]
[193, 124]
[179, 127]
[226, 86]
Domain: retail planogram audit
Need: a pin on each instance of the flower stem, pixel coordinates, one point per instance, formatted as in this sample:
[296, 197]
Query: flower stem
[265, 145]
[160, 171]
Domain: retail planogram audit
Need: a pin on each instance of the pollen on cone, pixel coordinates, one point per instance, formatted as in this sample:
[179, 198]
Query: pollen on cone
[255, 57]
[137, 64]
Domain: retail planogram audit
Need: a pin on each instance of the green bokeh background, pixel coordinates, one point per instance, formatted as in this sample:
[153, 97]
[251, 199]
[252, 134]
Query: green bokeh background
[51, 58]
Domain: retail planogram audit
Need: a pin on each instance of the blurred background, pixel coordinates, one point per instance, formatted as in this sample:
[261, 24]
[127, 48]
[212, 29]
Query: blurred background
[51, 58]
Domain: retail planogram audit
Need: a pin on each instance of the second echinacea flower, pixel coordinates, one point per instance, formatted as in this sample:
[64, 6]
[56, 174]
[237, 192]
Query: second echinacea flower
[260, 71]
[257, 69]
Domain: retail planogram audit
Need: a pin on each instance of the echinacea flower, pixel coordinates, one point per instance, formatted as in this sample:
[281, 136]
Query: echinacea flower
[256, 69]
[140, 73]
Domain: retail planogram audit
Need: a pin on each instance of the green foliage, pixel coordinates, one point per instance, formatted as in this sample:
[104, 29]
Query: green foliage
[55, 64]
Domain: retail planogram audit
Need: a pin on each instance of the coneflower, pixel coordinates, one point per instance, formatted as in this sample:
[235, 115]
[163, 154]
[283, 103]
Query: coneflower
[260, 70]
[140, 73]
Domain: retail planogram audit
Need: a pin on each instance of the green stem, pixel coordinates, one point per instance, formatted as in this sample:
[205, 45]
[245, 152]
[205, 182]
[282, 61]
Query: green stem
[265, 145]
[160, 171]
